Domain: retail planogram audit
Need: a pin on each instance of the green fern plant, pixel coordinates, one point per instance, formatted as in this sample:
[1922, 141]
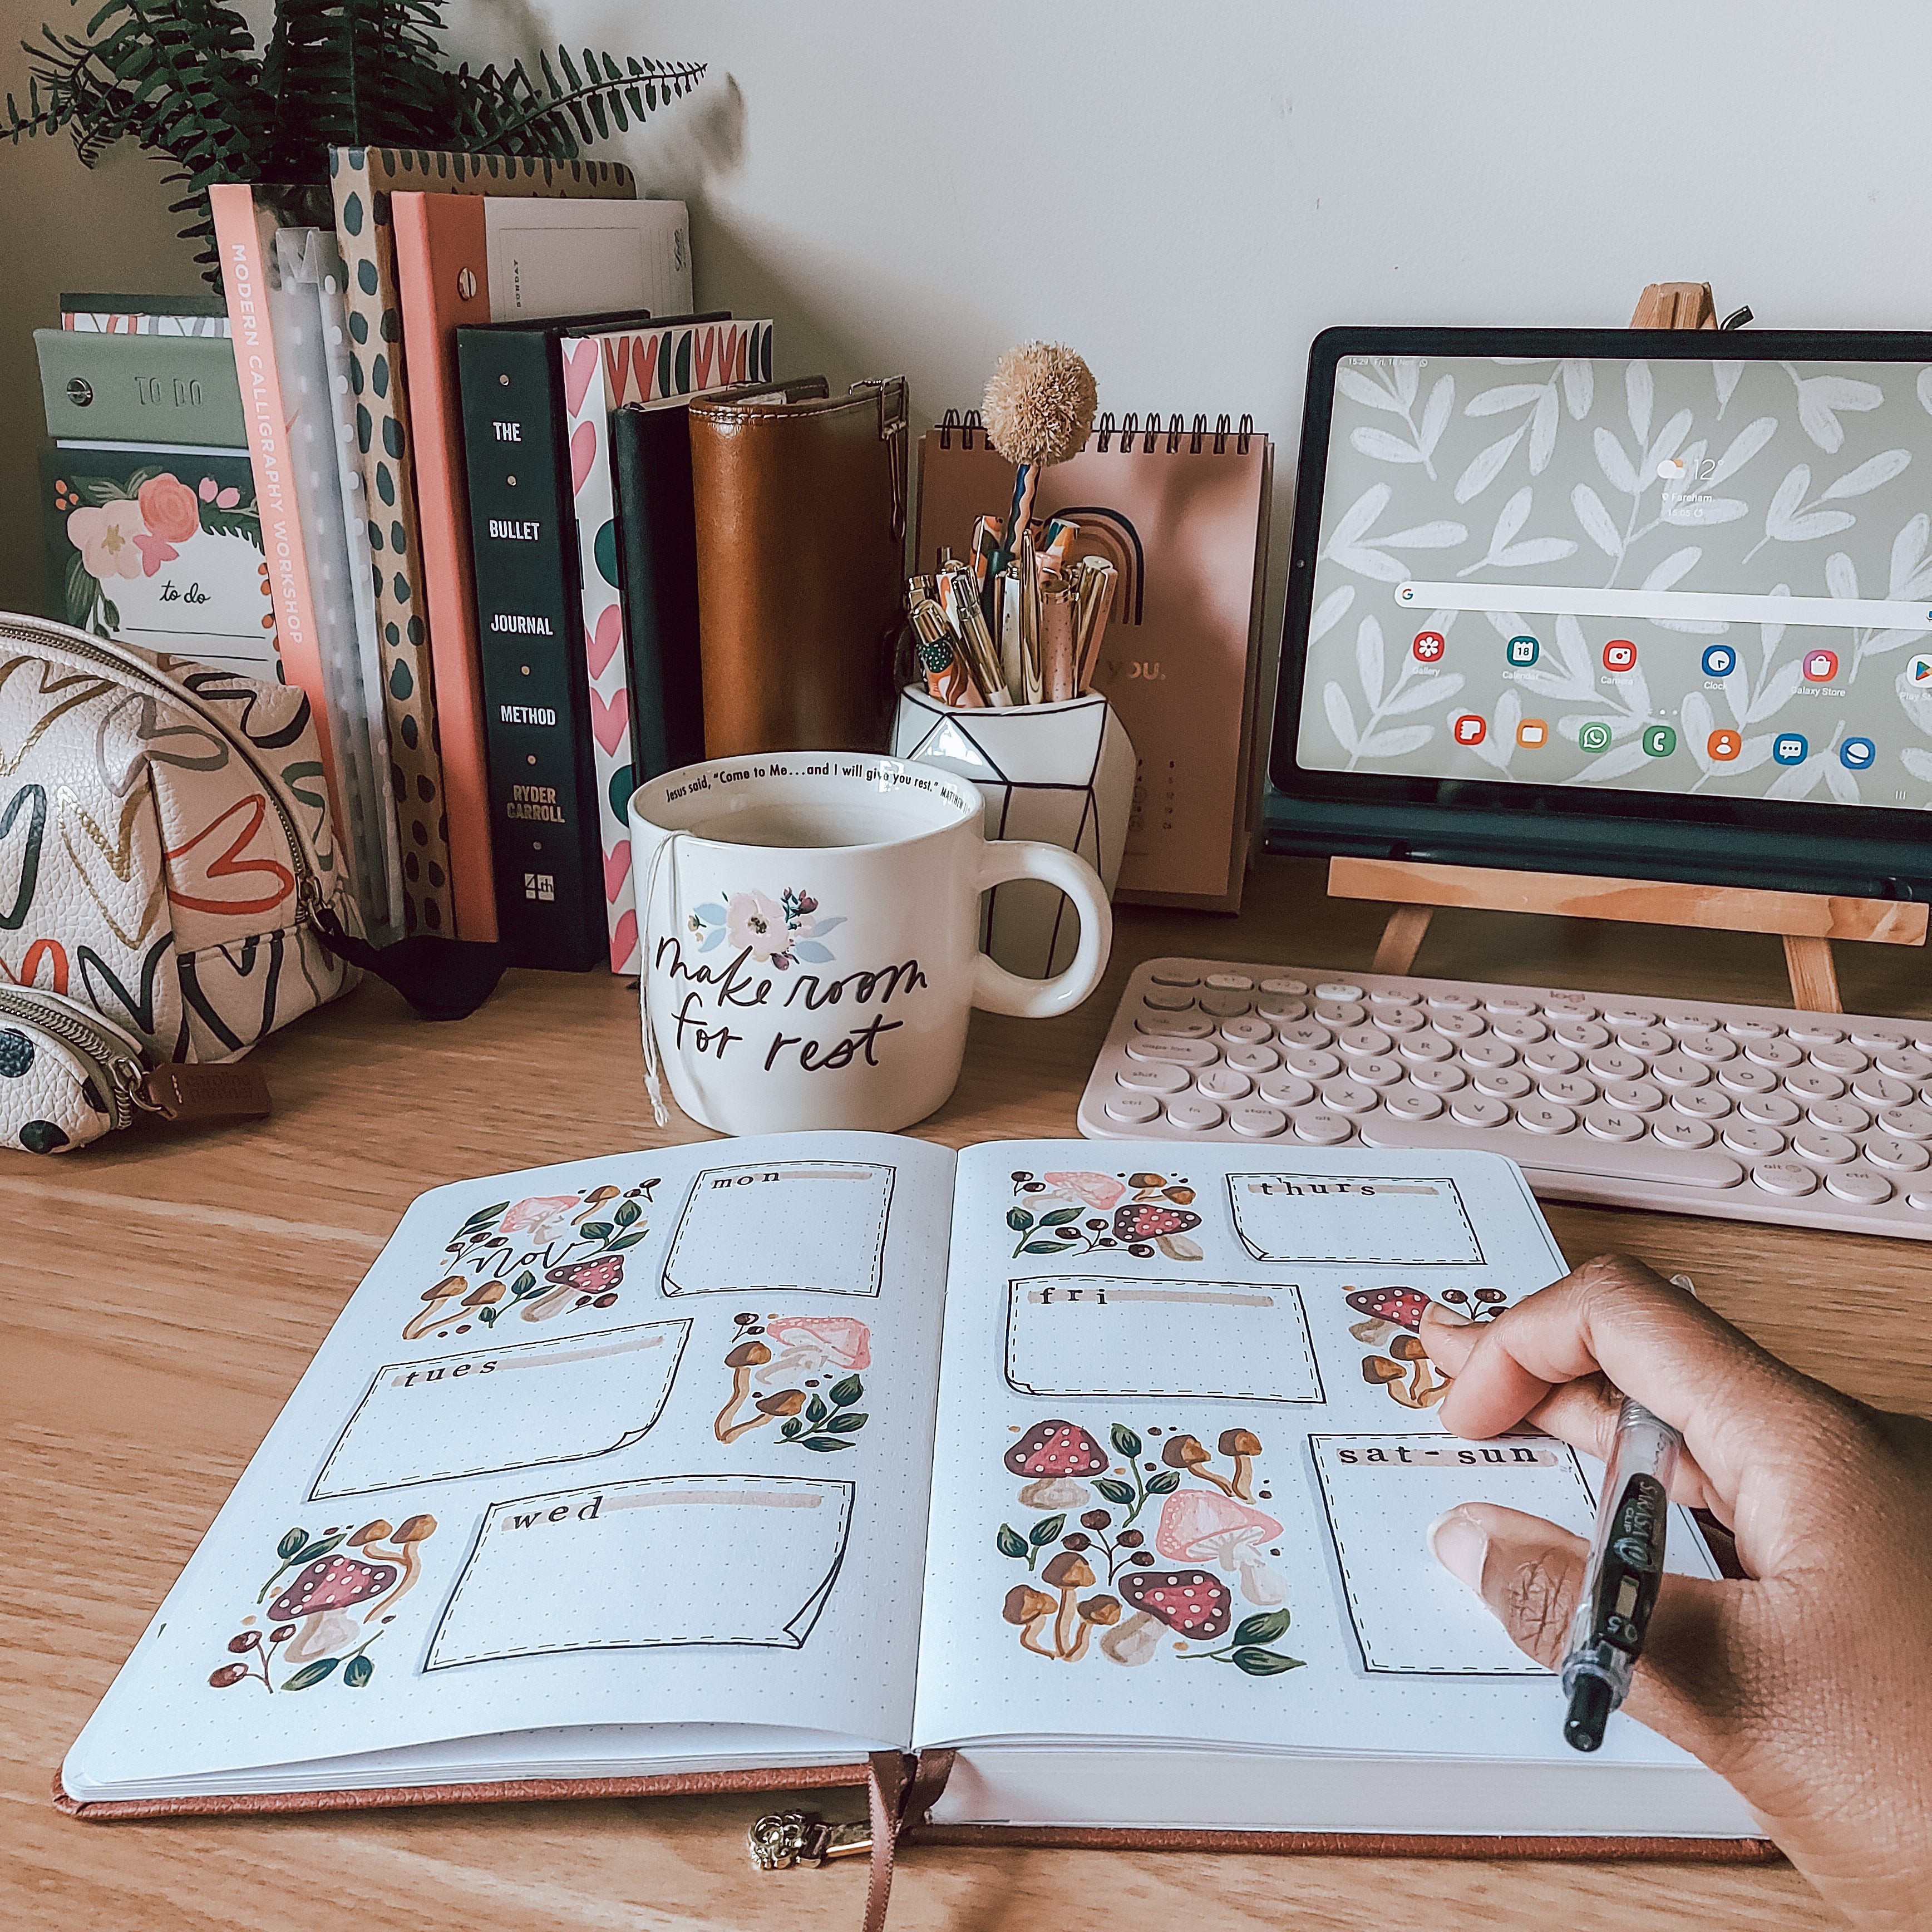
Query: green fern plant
[184, 80]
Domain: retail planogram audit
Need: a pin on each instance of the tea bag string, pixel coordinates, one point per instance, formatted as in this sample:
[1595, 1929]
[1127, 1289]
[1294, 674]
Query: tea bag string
[653, 1072]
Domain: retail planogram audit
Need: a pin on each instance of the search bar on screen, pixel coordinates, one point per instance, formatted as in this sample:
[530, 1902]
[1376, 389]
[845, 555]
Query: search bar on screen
[1703, 606]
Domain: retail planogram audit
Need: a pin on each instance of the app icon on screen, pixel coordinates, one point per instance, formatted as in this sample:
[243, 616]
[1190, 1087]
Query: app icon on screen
[1595, 736]
[1532, 734]
[1919, 670]
[1428, 646]
[1856, 754]
[1620, 654]
[1470, 730]
[1719, 661]
[1723, 746]
[1821, 666]
[1788, 748]
[1659, 741]
[1524, 652]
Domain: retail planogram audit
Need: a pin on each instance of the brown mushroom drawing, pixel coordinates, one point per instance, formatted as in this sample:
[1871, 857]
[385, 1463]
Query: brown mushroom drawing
[407, 1533]
[1189, 1454]
[1199, 1526]
[319, 1600]
[1069, 1572]
[1096, 1613]
[436, 1302]
[594, 1275]
[1192, 1602]
[1378, 1372]
[485, 1294]
[813, 1345]
[1423, 1389]
[1027, 1609]
[594, 1200]
[770, 1408]
[1243, 1446]
[742, 1360]
[1052, 1454]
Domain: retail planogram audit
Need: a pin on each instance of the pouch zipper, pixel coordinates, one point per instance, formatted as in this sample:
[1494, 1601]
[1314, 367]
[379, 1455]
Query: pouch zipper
[115, 1056]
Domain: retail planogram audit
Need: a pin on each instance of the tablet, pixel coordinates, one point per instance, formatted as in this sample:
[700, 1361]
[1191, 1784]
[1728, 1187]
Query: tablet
[1621, 602]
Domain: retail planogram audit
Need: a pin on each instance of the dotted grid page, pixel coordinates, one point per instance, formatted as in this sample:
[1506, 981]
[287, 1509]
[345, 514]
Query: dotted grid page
[1188, 1449]
[588, 1446]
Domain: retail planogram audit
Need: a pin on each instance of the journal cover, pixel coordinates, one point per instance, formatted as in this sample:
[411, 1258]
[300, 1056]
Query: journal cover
[173, 389]
[201, 313]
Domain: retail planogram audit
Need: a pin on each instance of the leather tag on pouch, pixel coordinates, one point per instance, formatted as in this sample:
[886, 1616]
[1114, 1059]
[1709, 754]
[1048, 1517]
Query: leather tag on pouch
[194, 1093]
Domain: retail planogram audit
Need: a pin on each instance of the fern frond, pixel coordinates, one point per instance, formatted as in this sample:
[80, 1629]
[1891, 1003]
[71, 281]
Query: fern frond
[511, 112]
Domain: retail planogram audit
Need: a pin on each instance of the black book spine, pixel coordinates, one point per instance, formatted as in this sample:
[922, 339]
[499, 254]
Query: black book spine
[543, 799]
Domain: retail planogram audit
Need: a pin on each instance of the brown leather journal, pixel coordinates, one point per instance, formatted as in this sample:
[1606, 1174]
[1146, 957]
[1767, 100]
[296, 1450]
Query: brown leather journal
[801, 533]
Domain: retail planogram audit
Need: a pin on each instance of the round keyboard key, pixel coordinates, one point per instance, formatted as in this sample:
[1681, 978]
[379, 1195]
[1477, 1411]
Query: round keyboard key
[1510, 1007]
[1132, 1110]
[1747, 1029]
[1612, 1123]
[1375, 1071]
[1312, 1063]
[1714, 1048]
[1223, 1083]
[1152, 1079]
[1678, 1069]
[1808, 1033]
[1506, 1083]
[1363, 1039]
[1395, 996]
[1568, 1006]
[1638, 1096]
[1224, 1005]
[1478, 1110]
[1812, 1083]
[1819, 1145]
[1257, 1122]
[1323, 1129]
[1840, 1117]
[1461, 1026]
[1923, 1202]
[1452, 1002]
[1688, 1023]
[1622, 1016]
[1150, 1047]
[1423, 1047]
[1409, 1101]
[1174, 974]
[1253, 1059]
[1572, 1089]
[1701, 1103]
[1304, 1033]
[1285, 1089]
[1400, 1021]
[1488, 1051]
[1880, 1090]
[1551, 1056]
[1872, 1034]
[1644, 1039]
[1584, 1034]
[1349, 1097]
[1784, 1177]
[1863, 1185]
[1747, 1137]
[1545, 1116]
[1232, 982]
[1741, 1077]
[1519, 1029]
[1847, 1060]
[1902, 1156]
[1612, 1063]
[1278, 1007]
[1778, 1053]
[1338, 989]
[1910, 1123]
[1196, 1116]
[1675, 1131]
[1248, 1032]
[1339, 1013]
[1905, 1063]
[1174, 1026]
[1444, 1079]
[1168, 999]
[1293, 988]
[1775, 1110]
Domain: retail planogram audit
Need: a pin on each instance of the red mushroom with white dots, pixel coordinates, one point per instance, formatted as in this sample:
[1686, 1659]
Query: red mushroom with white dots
[1191, 1603]
[1053, 1456]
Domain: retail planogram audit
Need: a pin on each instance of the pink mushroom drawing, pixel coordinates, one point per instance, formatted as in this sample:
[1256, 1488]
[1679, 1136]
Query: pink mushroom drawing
[540, 1216]
[804, 1346]
[1098, 1191]
[1204, 1526]
[1191, 1603]
[1051, 1455]
[319, 1600]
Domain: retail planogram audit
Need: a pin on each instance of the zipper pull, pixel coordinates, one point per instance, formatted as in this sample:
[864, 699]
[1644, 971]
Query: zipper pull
[190, 1092]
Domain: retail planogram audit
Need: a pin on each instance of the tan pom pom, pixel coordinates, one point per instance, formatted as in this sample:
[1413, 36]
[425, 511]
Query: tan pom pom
[1039, 403]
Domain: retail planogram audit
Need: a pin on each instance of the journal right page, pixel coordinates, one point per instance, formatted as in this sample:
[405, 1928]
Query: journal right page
[1188, 1449]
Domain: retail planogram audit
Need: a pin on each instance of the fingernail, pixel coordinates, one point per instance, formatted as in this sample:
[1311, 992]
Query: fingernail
[1459, 1544]
[1449, 1318]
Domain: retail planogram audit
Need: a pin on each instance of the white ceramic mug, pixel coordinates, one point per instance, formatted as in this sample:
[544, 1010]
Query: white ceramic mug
[810, 936]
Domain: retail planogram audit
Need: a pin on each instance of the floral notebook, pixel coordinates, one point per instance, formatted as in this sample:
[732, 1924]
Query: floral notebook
[161, 548]
[1106, 1475]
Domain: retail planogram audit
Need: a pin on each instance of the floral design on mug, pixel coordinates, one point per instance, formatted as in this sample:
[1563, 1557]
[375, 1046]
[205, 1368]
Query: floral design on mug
[783, 931]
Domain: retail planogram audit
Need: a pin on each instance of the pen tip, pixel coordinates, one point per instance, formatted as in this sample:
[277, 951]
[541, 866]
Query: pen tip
[1591, 1704]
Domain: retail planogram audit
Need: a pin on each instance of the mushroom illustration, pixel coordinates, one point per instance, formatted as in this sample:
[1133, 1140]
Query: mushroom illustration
[1378, 1372]
[407, 1533]
[1069, 1572]
[540, 1216]
[485, 1294]
[1243, 1445]
[1098, 1191]
[1026, 1608]
[1423, 1389]
[742, 1360]
[436, 1301]
[319, 1600]
[594, 1200]
[1193, 1602]
[1148, 1220]
[1404, 1307]
[1374, 1332]
[1189, 1454]
[594, 1275]
[810, 1345]
[1197, 1526]
[1100, 1613]
[1051, 1454]
[770, 1408]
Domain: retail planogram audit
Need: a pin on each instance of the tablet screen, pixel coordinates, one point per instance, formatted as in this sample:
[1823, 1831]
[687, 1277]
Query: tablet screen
[1685, 575]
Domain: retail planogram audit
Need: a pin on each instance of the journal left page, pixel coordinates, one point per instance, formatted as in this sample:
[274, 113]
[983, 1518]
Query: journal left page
[609, 1467]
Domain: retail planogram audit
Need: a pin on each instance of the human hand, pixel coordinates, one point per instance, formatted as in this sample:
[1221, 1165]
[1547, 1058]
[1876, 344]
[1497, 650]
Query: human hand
[1808, 1686]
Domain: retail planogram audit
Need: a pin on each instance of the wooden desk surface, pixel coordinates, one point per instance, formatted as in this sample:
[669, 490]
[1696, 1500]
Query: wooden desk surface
[165, 1291]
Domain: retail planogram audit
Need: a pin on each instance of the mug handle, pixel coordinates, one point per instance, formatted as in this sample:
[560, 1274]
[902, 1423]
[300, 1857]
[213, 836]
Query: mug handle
[999, 991]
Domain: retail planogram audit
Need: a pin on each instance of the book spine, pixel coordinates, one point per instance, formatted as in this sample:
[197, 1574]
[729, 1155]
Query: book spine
[382, 446]
[140, 388]
[543, 827]
[240, 243]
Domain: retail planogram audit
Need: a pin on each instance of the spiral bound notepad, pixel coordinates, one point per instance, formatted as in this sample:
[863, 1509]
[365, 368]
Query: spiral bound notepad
[1181, 513]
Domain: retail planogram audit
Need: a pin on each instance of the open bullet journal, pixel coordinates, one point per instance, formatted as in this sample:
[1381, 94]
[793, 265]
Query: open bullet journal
[1106, 1468]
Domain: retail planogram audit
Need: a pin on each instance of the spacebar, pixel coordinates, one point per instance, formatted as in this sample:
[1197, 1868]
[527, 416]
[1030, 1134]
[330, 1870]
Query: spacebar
[1577, 1152]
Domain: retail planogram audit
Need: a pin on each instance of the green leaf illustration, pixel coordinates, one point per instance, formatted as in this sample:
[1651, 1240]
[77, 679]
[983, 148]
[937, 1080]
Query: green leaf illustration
[815, 1410]
[847, 1390]
[628, 1211]
[310, 1674]
[595, 1230]
[1019, 1219]
[791, 1429]
[1263, 1629]
[848, 1422]
[1125, 1442]
[1264, 1663]
[826, 1442]
[523, 1283]
[1060, 1215]
[484, 1217]
[291, 1543]
[1160, 1485]
[1041, 1248]
[1115, 1490]
[358, 1671]
[629, 1240]
[1010, 1542]
[1046, 1531]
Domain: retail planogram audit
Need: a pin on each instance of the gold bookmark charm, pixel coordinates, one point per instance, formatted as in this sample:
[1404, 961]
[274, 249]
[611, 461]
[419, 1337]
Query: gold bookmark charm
[781, 1840]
